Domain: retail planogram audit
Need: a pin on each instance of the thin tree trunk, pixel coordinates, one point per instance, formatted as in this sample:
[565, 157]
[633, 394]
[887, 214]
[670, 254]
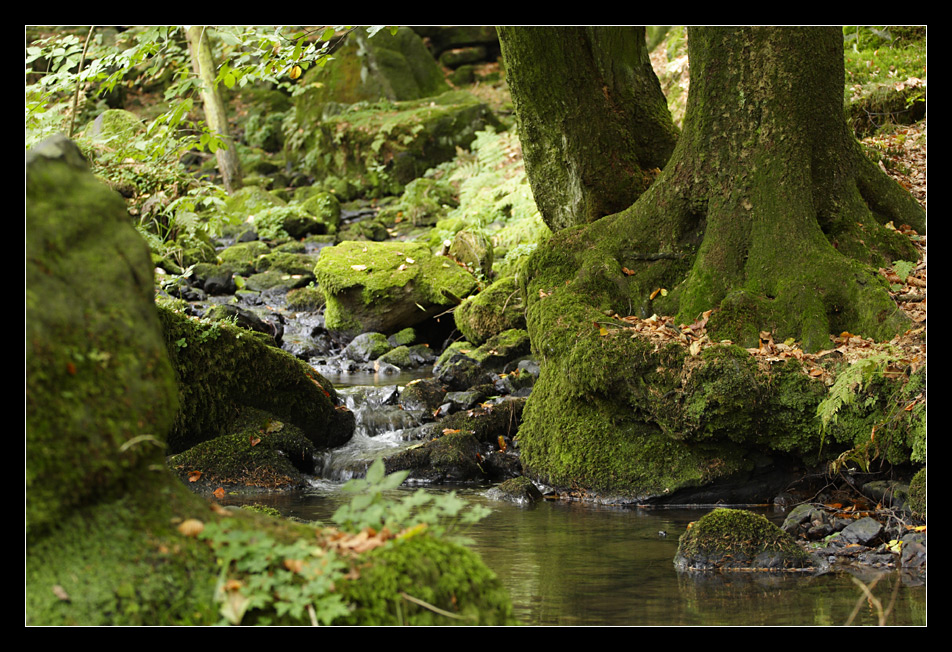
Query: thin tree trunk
[204, 66]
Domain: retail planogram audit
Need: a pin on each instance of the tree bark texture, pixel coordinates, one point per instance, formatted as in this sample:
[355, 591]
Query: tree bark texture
[593, 121]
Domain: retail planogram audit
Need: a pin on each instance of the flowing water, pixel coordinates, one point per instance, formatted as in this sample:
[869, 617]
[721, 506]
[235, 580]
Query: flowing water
[579, 564]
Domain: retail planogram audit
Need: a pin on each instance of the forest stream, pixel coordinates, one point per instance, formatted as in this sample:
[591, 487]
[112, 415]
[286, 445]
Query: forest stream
[581, 564]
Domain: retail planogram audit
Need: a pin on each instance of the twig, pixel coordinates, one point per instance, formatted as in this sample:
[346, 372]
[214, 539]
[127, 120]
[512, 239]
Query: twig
[82, 60]
[434, 609]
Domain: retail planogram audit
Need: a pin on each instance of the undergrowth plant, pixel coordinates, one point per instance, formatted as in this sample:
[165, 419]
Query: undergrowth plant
[374, 507]
[268, 581]
[852, 390]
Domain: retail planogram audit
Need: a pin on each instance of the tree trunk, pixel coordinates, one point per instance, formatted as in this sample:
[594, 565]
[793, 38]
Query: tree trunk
[204, 66]
[768, 210]
[769, 213]
[595, 133]
[793, 212]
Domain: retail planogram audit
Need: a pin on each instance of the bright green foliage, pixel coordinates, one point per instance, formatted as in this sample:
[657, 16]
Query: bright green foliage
[371, 508]
[267, 581]
[284, 583]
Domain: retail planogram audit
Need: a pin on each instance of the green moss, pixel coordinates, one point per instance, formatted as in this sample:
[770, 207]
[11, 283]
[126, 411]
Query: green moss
[387, 286]
[918, 493]
[244, 256]
[221, 369]
[122, 562]
[439, 575]
[259, 451]
[733, 538]
[306, 299]
[497, 308]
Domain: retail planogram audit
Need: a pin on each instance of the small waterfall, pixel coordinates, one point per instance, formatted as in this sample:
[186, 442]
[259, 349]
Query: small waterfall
[381, 427]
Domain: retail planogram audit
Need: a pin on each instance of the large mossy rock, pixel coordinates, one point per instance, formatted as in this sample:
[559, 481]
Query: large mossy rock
[387, 286]
[381, 147]
[101, 542]
[223, 369]
[494, 310]
[111, 535]
[100, 392]
[735, 539]
[394, 67]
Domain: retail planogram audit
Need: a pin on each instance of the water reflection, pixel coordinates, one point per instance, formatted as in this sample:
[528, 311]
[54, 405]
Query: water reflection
[574, 564]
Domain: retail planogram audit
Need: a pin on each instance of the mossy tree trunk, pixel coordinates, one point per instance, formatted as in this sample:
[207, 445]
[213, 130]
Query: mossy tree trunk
[768, 209]
[792, 211]
[204, 66]
[593, 121]
[768, 212]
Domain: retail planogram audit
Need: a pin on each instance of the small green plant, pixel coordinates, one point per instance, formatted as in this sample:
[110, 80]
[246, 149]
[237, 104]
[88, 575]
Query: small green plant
[847, 388]
[292, 583]
[280, 582]
[439, 514]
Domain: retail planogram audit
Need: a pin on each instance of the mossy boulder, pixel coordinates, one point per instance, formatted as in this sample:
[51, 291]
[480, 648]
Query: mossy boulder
[465, 367]
[111, 535]
[115, 124]
[382, 147]
[369, 68]
[223, 369]
[243, 256]
[497, 308]
[98, 382]
[259, 452]
[732, 539]
[245, 202]
[453, 457]
[386, 287]
[101, 542]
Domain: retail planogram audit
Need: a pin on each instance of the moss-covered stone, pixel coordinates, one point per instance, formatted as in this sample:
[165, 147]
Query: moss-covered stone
[115, 124]
[325, 207]
[260, 452]
[453, 457]
[370, 68]
[243, 257]
[450, 578]
[111, 535]
[306, 299]
[464, 367]
[386, 287]
[98, 384]
[497, 308]
[737, 539]
[382, 147]
[221, 369]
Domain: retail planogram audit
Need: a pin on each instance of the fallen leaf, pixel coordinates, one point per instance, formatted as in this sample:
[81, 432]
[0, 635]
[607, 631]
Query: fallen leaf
[194, 476]
[219, 493]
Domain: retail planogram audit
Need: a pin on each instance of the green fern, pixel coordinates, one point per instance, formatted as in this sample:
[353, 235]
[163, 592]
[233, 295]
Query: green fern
[844, 392]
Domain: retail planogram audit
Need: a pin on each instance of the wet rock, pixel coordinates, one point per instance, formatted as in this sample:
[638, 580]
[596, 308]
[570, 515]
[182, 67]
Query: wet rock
[518, 490]
[367, 346]
[864, 531]
[730, 539]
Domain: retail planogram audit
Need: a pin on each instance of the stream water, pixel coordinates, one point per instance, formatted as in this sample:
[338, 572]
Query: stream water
[579, 564]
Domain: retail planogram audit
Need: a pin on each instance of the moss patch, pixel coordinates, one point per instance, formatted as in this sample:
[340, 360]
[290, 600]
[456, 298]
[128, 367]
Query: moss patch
[733, 539]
